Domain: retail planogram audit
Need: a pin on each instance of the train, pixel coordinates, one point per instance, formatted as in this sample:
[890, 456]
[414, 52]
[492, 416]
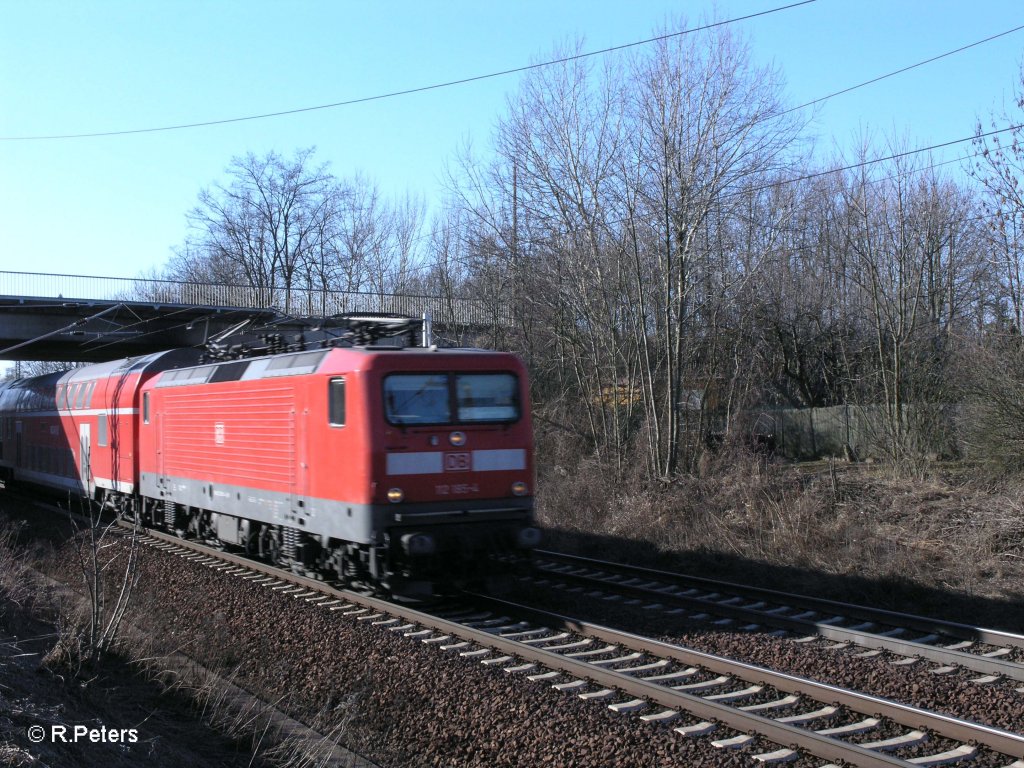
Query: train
[394, 469]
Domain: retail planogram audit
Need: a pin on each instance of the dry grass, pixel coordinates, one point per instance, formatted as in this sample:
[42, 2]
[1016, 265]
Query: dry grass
[846, 530]
[19, 587]
[257, 724]
[255, 727]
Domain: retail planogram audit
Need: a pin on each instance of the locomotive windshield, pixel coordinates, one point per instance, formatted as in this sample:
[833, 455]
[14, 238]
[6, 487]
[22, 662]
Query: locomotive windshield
[415, 398]
[486, 397]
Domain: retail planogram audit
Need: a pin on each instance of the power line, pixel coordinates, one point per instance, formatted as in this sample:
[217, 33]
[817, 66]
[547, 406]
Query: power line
[904, 69]
[895, 156]
[422, 267]
[416, 268]
[776, 184]
[409, 91]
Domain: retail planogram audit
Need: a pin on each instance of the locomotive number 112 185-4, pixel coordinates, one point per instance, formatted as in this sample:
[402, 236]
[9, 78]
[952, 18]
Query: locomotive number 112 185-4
[456, 489]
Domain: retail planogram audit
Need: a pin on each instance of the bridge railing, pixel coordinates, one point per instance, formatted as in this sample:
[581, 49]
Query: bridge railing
[293, 301]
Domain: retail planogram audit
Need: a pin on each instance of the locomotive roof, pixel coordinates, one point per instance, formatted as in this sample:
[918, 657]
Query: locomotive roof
[299, 363]
[176, 359]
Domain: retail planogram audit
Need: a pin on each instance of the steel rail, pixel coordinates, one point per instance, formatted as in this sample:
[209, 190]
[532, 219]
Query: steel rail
[957, 729]
[783, 734]
[946, 656]
[865, 613]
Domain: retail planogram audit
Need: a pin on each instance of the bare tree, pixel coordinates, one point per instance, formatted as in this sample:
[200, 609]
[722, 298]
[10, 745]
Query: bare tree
[904, 229]
[260, 226]
[296, 236]
[609, 220]
[992, 421]
[109, 566]
[107, 560]
[29, 368]
[999, 167]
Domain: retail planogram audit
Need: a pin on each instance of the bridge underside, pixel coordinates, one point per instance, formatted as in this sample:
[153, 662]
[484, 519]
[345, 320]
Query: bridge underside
[94, 331]
[133, 316]
[80, 330]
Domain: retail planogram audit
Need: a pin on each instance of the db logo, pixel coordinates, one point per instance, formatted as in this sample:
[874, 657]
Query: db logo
[458, 462]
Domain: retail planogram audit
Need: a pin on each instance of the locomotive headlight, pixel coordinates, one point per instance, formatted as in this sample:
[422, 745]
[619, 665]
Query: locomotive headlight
[519, 488]
[457, 438]
[395, 495]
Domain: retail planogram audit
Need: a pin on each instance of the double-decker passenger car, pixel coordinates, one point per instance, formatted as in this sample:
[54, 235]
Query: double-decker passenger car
[379, 465]
[76, 431]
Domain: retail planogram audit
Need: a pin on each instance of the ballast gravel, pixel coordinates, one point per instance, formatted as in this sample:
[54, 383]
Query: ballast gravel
[399, 702]
[393, 699]
[998, 704]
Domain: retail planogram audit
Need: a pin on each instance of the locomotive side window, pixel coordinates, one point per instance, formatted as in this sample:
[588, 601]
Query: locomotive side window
[487, 397]
[145, 407]
[336, 402]
[101, 430]
[416, 398]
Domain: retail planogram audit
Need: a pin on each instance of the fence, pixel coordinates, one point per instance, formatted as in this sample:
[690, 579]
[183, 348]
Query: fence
[842, 430]
[293, 301]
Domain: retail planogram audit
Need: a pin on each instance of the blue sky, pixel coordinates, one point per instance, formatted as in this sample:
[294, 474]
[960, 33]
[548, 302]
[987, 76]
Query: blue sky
[116, 205]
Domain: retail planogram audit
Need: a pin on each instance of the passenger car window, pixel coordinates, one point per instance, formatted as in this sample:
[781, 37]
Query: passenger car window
[82, 394]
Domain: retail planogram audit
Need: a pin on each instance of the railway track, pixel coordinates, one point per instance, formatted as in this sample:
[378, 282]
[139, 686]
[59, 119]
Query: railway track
[993, 654]
[777, 717]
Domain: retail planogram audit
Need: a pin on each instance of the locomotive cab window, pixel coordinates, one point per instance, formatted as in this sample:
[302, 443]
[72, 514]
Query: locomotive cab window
[417, 398]
[145, 407]
[336, 402]
[461, 398]
[487, 397]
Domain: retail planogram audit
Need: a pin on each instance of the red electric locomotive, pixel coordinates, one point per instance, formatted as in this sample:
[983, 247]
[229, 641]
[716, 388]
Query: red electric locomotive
[385, 466]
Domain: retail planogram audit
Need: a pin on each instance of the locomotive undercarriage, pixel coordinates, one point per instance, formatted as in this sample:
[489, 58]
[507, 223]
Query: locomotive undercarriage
[399, 565]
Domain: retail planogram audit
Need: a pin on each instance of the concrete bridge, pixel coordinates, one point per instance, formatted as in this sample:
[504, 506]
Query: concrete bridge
[89, 319]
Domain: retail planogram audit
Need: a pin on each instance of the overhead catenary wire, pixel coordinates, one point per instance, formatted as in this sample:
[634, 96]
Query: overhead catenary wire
[516, 70]
[66, 328]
